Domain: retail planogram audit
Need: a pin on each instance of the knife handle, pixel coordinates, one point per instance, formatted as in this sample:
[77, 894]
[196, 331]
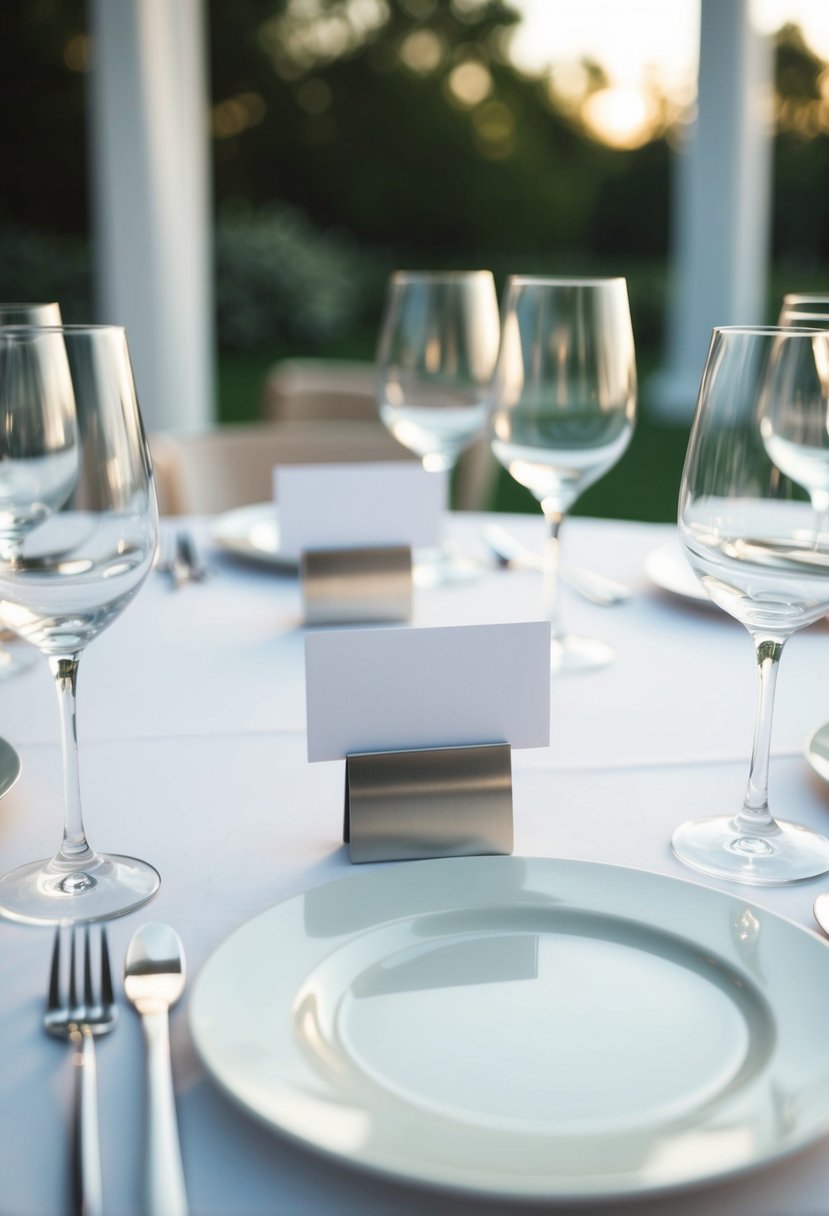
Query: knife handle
[165, 1191]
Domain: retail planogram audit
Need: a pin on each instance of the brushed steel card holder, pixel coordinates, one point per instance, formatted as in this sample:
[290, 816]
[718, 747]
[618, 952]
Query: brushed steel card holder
[435, 802]
[357, 586]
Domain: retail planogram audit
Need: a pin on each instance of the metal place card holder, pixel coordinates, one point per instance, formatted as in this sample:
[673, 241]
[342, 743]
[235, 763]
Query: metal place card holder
[436, 802]
[357, 586]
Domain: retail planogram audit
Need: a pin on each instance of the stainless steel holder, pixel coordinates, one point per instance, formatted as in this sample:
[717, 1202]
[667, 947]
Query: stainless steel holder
[357, 586]
[436, 802]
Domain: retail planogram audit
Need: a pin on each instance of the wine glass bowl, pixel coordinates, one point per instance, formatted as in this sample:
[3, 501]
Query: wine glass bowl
[437, 348]
[30, 314]
[758, 546]
[18, 659]
[78, 533]
[805, 309]
[798, 440]
[563, 409]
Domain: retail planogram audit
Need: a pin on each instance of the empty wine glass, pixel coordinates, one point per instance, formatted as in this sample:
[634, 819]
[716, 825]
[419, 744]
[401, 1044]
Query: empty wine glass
[437, 347]
[805, 309]
[30, 314]
[761, 551]
[78, 531]
[563, 410]
[13, 661]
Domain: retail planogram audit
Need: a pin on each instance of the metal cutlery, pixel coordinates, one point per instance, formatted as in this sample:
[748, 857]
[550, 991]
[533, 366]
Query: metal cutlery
[597, 588]
[78, 1013]
[154, 978]
[197, 571]
[178, 558]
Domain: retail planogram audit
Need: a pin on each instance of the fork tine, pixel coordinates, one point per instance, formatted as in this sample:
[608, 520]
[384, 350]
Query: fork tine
[53, 1000]
[88, 999]
[73, 987]
[107, 995]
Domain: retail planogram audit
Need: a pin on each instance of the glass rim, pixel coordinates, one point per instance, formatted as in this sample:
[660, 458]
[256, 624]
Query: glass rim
[23, 328]
[806, 297]
[576, 280]
[437, 275]
[8, 305]
[771, 331]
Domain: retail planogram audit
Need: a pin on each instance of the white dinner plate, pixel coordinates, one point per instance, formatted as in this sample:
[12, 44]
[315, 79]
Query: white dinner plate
[524, 1027]
[668, 568]
[817, 751]
[252, 533]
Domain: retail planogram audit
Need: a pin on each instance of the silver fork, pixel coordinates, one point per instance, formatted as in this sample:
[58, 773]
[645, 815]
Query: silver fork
[169, 560]
[189, 554]
[177, 556]
[78, 1018]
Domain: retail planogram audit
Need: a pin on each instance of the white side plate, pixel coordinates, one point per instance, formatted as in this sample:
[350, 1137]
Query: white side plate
[668, 568]
[252, 533]
[9, 767]
[817, 751]
[524, 1027]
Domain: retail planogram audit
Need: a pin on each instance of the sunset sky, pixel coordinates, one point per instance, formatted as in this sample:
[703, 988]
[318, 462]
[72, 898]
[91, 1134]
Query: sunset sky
[632, 38]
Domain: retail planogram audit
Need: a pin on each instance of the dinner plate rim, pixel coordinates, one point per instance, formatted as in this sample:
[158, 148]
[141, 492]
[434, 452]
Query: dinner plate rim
[555, 1196]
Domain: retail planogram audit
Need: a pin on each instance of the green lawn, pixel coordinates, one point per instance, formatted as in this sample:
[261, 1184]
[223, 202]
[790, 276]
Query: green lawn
[644, 485]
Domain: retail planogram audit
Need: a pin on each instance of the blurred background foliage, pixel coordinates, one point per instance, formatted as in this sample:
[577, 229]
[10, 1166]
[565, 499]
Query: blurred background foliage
[353, 137]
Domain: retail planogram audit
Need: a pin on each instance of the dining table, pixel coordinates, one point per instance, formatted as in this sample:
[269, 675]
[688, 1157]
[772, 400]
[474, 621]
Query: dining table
[192, 736]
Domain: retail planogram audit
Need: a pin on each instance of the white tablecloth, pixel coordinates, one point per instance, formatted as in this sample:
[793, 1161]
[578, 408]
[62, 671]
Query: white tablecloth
[193, 756]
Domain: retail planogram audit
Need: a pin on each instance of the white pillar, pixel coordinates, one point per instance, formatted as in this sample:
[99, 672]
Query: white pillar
[151, 226]
[721, 202]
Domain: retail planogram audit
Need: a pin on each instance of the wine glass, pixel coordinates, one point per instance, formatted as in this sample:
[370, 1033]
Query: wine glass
[805, 309]
[12, 662]
[811, 312]
[437, 348]
[78, 531]
[761, 551]
[30, 314]
[563, 410]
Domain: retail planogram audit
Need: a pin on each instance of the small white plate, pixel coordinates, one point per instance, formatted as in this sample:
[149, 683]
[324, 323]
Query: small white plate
[252, 533]
[817, 751]
[9, 767]
[668, 567]
[524, 1027]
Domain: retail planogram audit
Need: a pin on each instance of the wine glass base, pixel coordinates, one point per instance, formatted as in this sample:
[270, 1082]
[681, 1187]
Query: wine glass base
[52, 891]
[788, 853]
[16, 659]
[573, 654]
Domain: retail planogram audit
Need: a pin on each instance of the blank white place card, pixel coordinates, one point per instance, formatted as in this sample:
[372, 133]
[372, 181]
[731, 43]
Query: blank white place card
[374, 690]
[337, 506]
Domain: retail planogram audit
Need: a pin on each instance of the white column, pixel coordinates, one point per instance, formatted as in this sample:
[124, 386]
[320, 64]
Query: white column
[151, 225]
[721, 202]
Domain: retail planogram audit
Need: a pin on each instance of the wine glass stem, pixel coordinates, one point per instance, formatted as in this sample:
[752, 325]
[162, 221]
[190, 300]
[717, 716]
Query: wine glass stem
[550, 587]
[755, 815]
[75, 846]
[820, 505]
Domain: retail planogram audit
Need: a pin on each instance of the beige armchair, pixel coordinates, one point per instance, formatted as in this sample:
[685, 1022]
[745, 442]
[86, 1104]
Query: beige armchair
[326, 390]
[231, 466]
